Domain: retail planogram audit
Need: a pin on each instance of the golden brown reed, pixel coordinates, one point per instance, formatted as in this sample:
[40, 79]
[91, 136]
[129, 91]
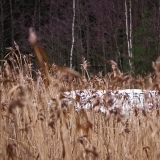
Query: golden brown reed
[35, 123]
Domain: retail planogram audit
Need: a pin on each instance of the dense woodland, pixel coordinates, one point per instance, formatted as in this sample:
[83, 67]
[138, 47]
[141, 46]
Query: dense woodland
[126, 31]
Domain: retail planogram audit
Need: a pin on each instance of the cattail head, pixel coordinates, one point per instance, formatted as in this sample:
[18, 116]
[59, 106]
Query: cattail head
[32, 37]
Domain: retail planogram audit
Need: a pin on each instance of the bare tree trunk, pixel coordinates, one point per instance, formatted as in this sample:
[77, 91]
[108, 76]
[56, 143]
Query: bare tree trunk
[104, 54]
[129, 32]
[158, 29]
[73, 22]
[88, 43]
[2, 32]
[119, 54]
[12, 24]
[80, 28]
[130, 27]
[126, 15]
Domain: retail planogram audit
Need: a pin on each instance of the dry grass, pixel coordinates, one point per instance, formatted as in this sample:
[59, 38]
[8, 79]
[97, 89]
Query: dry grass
[36, 124]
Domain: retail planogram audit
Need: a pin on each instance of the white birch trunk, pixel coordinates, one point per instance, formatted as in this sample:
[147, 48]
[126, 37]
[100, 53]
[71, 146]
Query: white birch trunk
[73, 22]
[126, 16]
[130, 35]
[129, 30]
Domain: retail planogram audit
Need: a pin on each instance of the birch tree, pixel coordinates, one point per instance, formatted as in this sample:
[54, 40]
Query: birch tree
[73, 23]
[128, 18]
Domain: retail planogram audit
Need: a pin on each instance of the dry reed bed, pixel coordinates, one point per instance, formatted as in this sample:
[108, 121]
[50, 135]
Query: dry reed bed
[32, 129]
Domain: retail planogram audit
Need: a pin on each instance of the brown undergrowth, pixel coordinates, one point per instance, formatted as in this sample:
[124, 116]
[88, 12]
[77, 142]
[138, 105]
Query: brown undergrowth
[36, 124]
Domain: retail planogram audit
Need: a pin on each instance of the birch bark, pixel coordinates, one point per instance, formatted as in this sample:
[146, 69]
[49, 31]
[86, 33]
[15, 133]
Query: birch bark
[130, 25]
[73, 22]
[128, 18]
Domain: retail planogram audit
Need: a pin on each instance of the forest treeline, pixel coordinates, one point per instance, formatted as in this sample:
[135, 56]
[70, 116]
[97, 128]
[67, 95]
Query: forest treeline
[126, 31]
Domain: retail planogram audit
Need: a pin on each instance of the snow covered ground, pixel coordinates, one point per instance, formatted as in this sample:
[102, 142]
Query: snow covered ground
[110, 101]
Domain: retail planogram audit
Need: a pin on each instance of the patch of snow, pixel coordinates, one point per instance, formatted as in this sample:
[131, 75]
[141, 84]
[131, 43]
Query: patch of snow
[107, 101]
